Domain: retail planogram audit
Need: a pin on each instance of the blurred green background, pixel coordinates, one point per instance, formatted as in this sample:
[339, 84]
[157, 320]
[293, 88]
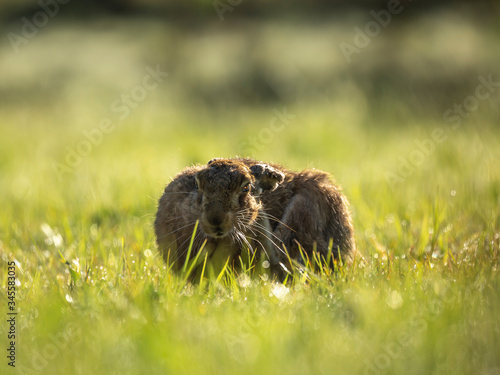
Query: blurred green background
[102, 102]
[278, 81]
[230, 66]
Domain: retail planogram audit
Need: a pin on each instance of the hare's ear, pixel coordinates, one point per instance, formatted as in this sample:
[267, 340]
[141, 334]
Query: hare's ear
[212, 160]
[267, 178]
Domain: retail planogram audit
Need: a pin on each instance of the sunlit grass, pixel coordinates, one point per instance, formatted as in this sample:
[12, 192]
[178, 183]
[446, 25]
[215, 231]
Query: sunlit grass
[94, 296]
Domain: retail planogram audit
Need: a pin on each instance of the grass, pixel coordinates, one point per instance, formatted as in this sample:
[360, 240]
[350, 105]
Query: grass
[94, 296]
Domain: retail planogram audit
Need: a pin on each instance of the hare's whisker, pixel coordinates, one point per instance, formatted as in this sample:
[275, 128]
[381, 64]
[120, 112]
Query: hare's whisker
[180, 192]
[263, 233]
[173, 219]
[178, 229]
[177, 239]
[235, 237]
[187, 247]
[274, 218]
[260, 243]
[244, 239]
[258, 225]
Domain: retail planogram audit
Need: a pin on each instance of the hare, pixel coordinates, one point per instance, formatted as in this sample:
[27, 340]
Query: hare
[242, 204]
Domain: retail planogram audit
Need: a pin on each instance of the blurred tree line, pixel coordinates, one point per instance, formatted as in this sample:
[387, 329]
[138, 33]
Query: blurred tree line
[14, 8]
[430, 57]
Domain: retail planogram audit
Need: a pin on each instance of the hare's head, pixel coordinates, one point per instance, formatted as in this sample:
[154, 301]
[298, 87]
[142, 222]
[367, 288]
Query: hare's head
[228, 192]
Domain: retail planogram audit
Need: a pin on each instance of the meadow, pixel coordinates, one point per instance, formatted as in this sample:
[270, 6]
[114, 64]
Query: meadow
[78, 193]
[93, 295]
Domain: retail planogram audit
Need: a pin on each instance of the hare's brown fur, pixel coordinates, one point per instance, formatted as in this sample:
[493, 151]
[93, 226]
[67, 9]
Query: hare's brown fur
[242, 202]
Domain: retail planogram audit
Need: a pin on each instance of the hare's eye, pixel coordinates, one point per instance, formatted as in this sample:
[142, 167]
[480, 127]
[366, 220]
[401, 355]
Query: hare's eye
[245, 188]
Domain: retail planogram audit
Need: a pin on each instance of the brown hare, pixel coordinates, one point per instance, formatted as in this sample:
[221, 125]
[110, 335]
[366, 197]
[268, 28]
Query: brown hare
[245, 204]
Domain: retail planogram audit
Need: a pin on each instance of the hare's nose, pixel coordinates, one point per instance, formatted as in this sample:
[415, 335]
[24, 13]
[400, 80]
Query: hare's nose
[216, 219]
[215, 226]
